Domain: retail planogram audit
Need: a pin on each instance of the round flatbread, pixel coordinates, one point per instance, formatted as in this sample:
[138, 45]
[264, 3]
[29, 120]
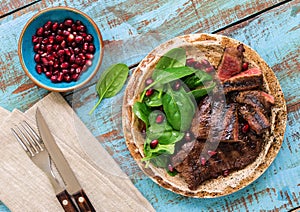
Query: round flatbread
[210, 47]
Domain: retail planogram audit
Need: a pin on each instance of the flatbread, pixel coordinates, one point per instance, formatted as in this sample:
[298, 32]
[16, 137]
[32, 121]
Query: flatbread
[211, 47]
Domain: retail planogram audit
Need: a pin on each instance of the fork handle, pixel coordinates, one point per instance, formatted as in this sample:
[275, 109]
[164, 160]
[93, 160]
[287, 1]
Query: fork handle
[66, 201]
[83, 202]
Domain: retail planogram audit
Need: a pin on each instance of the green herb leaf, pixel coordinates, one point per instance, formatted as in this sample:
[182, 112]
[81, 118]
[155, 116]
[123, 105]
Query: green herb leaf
[174, 58]
[179, 108]
[142, 112]
[197, 79]
[154, 100]
[111, 82]
[197, 93]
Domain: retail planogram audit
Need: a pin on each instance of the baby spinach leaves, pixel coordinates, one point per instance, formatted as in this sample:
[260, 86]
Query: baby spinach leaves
[111, 82]
[176, 104]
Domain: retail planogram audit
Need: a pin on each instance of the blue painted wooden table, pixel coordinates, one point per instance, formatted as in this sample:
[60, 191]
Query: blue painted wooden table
[131, 29]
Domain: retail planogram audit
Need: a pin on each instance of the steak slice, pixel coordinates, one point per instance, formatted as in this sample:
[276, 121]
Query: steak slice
[246, 80]
[230, 130]
[231, 63]
[255, 118]
[197, 165]
[256, 99]
[201, 121]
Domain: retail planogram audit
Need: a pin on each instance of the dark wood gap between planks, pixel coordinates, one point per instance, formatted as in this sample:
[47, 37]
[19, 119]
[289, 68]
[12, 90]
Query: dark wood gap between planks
[21, 8]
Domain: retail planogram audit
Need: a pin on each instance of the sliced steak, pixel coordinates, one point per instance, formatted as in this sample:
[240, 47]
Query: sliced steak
[230, 130]
[255, 118]
[231, 63]
[201, 121]
[198, 164]
[246, 80]
[256, 99]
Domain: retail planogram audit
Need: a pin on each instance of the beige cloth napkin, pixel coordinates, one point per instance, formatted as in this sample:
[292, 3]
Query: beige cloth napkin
[24, 187]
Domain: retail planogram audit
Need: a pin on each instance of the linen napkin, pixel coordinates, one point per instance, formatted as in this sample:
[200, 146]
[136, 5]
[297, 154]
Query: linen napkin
[24, 187]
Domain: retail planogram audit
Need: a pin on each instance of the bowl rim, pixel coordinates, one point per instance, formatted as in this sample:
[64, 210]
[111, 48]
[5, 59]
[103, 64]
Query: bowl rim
[76, 85]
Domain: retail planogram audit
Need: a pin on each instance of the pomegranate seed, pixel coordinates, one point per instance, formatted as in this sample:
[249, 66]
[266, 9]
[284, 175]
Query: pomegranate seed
[176, 85]
[56, 65]
[89, 56]
[51, 39]
[211, 153]
[81, 28]
[38, 68]
[44, 61]
[89, 38]
[68, 22]
[61, 26]
[153, 144]
[188, 136]
[149, 81]
[78, 70]
[65, 71]
[53, 78]
[40, 31]
[88, 63]
[159, 118]
[37, 58]
[36, 47]
[81, 55]
[75, 77]
[35, 39]
[64, 65]
[91, 48]
[203, 161]
[60, 77]
[48, 74]
[61, 52]
[63, 44]
[56, 72]
[66, 33]
[44, 54]
[190, 62]
[149, 92]
[245, 128]
[72, 58]
[84, 68]
[209, 69]
[59, 38]
[85, 46]
[45, 41]
[171, 168]
[78, 39]
[70, 38]
[83, 34]
[59, 32]
[78, 22]
[74, 65]
[226, 173]
[49, 48]
[245, 66]
[54, 26]
[47, 26]
[67, 51]
[67, 78]
[74, 27]
[198, 65]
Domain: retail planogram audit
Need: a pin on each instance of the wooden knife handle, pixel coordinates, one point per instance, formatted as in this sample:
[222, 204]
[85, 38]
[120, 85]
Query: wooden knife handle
[66, 201]
[83, 201]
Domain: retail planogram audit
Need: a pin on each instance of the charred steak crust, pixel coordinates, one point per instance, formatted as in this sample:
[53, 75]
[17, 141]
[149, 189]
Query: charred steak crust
[227, 157]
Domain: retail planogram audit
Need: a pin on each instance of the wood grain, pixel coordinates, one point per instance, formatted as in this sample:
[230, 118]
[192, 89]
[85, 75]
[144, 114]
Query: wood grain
[130, 30]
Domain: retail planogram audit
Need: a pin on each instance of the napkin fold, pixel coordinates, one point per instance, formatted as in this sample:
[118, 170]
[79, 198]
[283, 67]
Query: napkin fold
[24, 187]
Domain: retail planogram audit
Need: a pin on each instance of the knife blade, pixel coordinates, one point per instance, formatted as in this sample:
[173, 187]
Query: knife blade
[72, 185]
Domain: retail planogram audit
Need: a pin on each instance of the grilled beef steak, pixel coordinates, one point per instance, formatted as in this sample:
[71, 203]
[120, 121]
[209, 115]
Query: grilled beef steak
[195, 163]
[246, 80]
[231, 62]
[230, 131]
[256, 99]
[256, 119]
[201, 121]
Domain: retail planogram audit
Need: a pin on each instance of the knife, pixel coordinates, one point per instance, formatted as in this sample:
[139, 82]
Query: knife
[72, 185]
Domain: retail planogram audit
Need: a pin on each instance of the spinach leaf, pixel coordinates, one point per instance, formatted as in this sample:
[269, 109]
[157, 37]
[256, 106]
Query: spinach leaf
[111, 82]
[179, 108]
[197, 79]
[154, 100]
[197, 93]
[174, 58]
[171, 74]
[142, 112]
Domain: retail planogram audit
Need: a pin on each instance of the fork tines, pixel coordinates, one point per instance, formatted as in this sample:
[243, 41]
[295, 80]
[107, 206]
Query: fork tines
[28, 138]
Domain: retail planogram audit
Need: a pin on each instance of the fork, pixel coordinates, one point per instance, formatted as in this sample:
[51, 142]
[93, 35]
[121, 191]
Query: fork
[35, 149]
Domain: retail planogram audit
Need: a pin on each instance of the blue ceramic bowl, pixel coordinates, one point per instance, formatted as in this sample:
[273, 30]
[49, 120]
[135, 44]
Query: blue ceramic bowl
[26, 53]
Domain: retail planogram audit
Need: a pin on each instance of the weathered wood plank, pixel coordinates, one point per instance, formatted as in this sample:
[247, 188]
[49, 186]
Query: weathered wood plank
[130, 30]
[7, 6]
[267, 34]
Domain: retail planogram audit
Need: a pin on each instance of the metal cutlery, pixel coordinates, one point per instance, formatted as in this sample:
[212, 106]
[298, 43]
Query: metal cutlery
[35, 149]
[72, 185]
